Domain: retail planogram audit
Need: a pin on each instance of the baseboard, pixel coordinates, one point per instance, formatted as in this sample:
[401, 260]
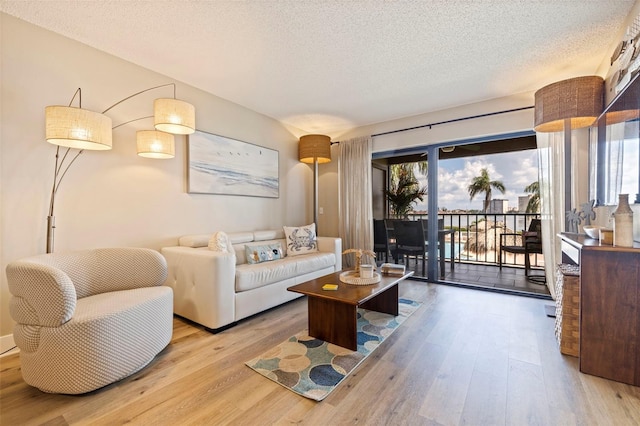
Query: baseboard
[7, 344]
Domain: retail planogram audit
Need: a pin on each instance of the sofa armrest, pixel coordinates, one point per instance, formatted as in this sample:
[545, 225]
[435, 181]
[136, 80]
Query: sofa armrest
[43, 295]
[332, 245]
[203, 283]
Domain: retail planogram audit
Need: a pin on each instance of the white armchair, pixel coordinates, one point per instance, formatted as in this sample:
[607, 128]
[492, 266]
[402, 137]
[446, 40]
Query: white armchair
[89, 318]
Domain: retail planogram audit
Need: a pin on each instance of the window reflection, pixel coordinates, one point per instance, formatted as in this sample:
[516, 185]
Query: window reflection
[615, 149]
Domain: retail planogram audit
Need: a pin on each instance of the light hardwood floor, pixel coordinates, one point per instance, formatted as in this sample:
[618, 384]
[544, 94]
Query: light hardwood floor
[465, 357]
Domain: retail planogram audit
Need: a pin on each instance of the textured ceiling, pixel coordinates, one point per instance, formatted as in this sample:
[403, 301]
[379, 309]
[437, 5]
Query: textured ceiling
[327, 66]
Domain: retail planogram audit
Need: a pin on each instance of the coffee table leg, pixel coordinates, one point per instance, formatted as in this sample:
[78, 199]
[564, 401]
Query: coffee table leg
[386, 302]
[333, 322]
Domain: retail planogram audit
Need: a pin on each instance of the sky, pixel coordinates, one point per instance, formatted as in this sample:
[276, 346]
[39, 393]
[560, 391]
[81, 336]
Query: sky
[515, 170]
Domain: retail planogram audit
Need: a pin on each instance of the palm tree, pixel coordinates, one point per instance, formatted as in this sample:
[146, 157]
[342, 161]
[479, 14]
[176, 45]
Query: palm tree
[404, 191]
[533, 206]
[484, 184]
[409, 168]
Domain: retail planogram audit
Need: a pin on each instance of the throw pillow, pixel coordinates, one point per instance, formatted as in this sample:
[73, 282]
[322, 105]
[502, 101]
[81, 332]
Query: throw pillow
[263, 253]
[219, 241]
[301, 240]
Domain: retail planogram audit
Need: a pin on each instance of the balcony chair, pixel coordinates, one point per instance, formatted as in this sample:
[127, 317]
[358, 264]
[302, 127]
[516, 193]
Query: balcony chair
[391, 234]
[381, 240]
[530, 242]
[425, 226]
[410, 240]
[89, 318]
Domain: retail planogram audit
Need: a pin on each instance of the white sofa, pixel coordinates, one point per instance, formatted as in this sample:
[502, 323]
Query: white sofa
[217, 289]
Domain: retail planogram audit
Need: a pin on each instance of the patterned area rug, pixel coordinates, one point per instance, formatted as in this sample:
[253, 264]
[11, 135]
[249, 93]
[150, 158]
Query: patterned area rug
[313, 367]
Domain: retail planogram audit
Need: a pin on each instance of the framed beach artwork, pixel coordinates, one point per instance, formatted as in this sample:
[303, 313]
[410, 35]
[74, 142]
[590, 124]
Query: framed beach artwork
[220, 165]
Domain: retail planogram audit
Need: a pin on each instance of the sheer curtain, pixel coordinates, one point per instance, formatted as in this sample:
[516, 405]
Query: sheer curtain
[551, 178]
[355, 206]
[607, 162]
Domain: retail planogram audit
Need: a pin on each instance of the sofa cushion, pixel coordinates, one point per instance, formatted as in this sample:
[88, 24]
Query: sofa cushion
[258, 253]
[253, 276]
[274, 234]
[301, 240]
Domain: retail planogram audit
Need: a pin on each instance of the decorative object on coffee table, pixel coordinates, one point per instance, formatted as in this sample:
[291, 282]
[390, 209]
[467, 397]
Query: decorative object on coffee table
[359, 253]
[356, 277]
[392, 269]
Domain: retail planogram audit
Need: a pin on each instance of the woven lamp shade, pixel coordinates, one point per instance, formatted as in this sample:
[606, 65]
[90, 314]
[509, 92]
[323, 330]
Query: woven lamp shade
[313, 147]
[77, 128]
[155, 144]
[174, 116]
[579, 99]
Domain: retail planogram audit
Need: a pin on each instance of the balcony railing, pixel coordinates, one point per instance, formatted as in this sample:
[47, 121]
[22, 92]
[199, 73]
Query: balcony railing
[477, 236]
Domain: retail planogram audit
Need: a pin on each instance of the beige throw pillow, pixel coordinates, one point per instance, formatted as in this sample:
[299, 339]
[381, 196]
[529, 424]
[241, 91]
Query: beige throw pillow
[301, 239]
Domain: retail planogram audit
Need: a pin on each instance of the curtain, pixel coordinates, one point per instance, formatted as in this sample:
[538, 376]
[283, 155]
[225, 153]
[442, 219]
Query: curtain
[551, 178]
[607, 165]
[355, 205]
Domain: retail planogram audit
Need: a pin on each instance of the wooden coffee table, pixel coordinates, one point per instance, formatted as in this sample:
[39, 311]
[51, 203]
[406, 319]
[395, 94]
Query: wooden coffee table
[333, 313]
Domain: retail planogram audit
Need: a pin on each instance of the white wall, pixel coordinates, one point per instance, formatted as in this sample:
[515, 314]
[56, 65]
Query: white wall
[115, 198]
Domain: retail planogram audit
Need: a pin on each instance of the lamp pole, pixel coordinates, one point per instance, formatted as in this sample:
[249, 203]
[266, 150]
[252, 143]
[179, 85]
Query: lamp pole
[315, 193]
[57, 179]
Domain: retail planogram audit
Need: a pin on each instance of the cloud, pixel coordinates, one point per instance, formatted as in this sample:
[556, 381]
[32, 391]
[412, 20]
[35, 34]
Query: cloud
[515, 170]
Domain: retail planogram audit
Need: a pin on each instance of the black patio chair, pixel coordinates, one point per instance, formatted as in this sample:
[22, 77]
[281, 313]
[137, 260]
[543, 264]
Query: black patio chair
[382, 245]
[410, 240]
[530, 242]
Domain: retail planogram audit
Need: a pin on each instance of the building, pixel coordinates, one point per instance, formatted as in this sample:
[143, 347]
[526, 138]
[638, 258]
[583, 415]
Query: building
[497, 206]
[523, 201]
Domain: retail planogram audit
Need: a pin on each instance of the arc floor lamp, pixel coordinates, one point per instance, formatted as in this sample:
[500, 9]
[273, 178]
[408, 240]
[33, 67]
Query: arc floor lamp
[315, 149]
[77, 128]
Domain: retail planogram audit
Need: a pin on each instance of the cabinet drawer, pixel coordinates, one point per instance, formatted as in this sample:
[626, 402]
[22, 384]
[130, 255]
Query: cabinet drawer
[571, 251]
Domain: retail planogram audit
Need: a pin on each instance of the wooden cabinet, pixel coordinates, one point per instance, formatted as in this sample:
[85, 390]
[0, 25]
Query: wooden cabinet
[609, 307]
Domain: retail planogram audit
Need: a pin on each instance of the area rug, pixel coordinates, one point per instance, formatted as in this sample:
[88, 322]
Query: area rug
[313, 368]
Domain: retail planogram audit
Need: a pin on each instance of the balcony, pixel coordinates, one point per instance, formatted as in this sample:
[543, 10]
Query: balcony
[475, 245]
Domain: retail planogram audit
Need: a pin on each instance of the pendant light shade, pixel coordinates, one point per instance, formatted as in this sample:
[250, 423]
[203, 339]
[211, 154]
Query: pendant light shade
[579, 99]
[77, 128]
[155, 144]
[174, 116]
[313, 147]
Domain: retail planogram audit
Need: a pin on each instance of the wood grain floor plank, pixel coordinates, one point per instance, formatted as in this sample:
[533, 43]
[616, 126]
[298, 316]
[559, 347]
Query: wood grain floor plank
[486, 400]
[526, 397]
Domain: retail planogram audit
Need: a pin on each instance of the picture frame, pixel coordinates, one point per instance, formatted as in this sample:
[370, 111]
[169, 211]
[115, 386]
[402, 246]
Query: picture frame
[225, 166]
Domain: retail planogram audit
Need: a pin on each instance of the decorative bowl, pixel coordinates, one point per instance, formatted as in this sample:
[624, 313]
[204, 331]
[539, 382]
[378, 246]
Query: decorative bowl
[353, 277]
[592, 231]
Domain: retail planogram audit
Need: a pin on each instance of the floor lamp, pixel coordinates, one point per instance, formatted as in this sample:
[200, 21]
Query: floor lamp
[315, 149]
[561, 107]
[566, 105]
[77, 128]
